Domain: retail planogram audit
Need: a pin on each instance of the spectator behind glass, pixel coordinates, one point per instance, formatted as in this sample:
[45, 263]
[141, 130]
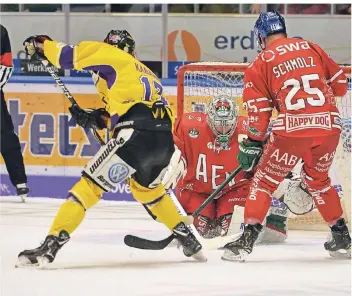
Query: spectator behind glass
[309, 8]
[219, 8]
[256, 8]
[343, 9]
[295, 8]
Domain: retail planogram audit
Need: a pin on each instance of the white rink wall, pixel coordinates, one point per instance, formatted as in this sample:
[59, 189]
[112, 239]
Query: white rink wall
[53, 167]
[198, 37]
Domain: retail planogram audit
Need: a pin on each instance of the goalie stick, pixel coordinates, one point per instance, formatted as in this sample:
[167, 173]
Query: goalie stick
[146, 244]
[67, 94]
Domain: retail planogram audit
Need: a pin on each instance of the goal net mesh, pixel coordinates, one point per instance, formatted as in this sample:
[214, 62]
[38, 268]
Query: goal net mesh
[198, 83]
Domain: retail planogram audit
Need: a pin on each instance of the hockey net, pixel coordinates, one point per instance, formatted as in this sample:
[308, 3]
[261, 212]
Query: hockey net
[198, 83]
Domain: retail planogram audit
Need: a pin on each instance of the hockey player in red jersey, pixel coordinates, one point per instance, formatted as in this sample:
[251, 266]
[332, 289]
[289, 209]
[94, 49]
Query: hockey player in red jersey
[299, 80]
[209, 146]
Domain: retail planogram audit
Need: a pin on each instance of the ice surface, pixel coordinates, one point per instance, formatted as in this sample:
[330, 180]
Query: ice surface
[97, 263]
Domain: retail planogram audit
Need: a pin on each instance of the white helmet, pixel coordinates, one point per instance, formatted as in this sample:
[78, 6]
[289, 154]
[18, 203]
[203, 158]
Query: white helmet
[222, 116]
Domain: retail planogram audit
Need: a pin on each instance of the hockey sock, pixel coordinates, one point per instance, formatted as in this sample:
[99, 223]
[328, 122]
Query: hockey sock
[257, 208]
[328, 203]
[158, 203]
[68, 218]
[166, 212]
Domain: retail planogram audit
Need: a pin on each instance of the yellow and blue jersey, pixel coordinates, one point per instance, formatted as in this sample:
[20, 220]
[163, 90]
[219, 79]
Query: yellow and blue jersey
[123, 80]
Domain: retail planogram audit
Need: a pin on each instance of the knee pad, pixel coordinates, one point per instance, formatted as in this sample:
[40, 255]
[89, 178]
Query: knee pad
[86, 192]
[315, 185]
[146, 196]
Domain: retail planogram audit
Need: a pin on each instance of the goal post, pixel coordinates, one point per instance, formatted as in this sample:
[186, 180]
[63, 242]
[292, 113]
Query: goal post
[198, 83]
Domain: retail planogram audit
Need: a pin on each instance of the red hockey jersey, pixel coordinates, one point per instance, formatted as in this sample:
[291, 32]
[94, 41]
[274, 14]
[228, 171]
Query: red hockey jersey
[300, 80]
[208, 164]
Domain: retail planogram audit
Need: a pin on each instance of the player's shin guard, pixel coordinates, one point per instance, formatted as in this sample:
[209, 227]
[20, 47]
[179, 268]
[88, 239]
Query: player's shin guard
[239, 249]
[45, 253]
[339, 244]
[69, 217]
[257, 206]
[83, 195]
[158, 202]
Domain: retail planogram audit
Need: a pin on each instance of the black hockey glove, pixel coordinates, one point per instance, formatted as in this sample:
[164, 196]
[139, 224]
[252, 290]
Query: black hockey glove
[249, 154]
[89, 118]
[34, 46]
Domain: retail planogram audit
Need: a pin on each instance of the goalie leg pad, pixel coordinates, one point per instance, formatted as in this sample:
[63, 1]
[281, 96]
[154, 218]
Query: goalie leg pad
[298, 200]
[275, 230]
[106, 168]
[205, 226]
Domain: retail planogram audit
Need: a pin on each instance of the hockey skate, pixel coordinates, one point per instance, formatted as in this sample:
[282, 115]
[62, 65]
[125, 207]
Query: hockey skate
[239, 249]
[191, 246]
[45, 253]
[22, 191]
[339, 243]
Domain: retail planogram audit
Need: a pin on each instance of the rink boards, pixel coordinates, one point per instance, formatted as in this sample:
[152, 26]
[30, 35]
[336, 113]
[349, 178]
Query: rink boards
[55, 149]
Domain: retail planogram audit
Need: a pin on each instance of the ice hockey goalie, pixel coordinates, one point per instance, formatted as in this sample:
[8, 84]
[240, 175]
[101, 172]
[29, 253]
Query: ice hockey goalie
[209, 146]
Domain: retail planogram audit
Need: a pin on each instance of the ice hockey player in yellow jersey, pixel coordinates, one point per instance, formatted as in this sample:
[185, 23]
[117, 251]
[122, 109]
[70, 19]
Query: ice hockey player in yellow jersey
[141, 147]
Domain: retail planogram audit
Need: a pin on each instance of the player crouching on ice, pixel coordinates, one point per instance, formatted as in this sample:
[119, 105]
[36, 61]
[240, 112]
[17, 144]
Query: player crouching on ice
[141, 146]
[209, 145]
[300, 80]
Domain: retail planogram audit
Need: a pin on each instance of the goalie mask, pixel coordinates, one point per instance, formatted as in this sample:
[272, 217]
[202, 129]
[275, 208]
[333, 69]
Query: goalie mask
[122, 40]
[222, 118]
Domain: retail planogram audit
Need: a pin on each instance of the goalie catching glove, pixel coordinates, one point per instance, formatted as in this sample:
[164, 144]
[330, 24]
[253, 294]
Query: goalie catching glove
[249, 154]
[292, 193]
[90, 118]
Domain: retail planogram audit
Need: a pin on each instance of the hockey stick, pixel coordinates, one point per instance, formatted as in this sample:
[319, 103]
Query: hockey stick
[146, 244]
[210, 243]
[67, 94]
[182, 212]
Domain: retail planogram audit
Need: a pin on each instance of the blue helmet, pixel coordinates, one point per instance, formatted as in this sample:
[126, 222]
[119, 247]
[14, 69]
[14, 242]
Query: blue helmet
[269, 23]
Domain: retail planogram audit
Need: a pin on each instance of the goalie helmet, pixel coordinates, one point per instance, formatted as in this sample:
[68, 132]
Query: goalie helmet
[267, 24]
[222, 116]
[122, 40]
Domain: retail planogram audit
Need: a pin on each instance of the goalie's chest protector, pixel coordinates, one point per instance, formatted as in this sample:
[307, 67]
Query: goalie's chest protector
[209, 163]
